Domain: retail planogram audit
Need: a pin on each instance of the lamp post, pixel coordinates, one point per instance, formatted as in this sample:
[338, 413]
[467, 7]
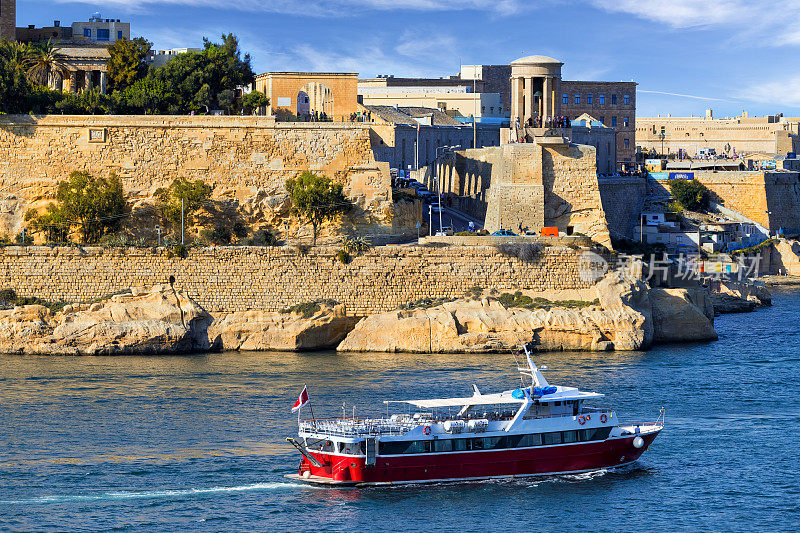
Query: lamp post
[158, 230]
[474, 109]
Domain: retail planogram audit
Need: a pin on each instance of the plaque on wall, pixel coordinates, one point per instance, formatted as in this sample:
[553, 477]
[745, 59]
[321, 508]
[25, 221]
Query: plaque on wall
[97, 135]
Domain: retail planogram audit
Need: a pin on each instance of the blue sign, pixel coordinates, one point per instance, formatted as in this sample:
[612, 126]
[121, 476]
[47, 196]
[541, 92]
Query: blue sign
[681, 175]
[659, 175]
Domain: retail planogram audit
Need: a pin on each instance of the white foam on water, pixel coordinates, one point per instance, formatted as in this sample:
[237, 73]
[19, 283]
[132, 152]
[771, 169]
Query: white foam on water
[131, 495]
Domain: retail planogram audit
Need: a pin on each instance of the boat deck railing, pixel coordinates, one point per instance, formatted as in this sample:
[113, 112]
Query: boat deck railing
[400, 425]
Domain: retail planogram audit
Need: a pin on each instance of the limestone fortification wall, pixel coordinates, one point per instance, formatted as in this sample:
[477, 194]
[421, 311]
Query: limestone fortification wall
[241, 278]
[623, 200]
[245, 158]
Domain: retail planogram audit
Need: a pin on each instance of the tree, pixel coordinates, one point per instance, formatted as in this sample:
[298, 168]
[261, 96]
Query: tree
[43, 62]
[691, 194]
[126, 65]
[14, 86]
[254, 100]
[195, 194]
[316, 198]
[95, 206]
[226, 99]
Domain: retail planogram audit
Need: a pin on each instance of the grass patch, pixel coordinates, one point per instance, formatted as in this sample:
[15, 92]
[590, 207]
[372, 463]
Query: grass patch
[426, 303]
[754, 250]
[473, 293]
[523, 301]
[307, 309]
[9, 298]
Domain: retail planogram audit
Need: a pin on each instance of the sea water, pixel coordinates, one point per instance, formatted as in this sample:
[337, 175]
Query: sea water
[198, 442]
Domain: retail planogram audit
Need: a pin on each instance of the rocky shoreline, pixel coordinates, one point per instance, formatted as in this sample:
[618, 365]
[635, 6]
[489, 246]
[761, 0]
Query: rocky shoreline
[627, 314]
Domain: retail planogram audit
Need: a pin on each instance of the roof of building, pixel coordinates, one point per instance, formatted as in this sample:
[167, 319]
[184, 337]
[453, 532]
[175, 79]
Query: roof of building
[407, 115]
[536, 60]
[100, 52]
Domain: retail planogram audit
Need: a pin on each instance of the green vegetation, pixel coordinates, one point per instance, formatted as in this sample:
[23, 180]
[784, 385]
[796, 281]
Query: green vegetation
[93, 206]
[8, 297]
[356, 245]
[474, 292]
[524, 251]
[402, 196]
[190, 82]
[254, 100]
[193, 194]
[526, 302]
[754, 250]
[343, 257]
[690, 194]
[222, 235]
[262, 237]
[425, 303]
[127, 63]
[316, 198]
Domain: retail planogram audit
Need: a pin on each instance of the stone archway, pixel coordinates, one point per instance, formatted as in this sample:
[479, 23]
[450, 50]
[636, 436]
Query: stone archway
[303, 103]
[320, 99]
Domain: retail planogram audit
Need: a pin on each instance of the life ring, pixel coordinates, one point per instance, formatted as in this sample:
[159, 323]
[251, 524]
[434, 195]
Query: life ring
[603, 418]
[588, 417]
[426, 430]
[581, 420]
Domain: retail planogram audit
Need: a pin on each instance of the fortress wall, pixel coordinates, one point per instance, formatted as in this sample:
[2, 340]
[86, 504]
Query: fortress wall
[239, 278]
[247, 158]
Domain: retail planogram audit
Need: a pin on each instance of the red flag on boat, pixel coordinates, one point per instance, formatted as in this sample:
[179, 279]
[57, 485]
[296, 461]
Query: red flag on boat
[301, 401]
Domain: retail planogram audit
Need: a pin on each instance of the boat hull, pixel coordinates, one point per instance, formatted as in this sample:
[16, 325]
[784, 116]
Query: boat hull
[486, 464]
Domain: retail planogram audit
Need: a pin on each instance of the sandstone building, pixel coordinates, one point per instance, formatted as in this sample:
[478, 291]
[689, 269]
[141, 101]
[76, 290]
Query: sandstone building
[8, 20]
[775, 135]
[304, 94]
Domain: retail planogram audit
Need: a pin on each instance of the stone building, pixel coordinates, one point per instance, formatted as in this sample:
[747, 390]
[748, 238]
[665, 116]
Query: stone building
[8, 20]
[612, 103]
[395, 132]
[304, 94]
[88, 69]
[776, 135]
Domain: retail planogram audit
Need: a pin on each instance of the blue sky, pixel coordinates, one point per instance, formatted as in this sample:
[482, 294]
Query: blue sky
[686, 55]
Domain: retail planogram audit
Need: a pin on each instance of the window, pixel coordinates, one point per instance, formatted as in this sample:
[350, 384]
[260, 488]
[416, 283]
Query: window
[552, 438]
[613, 99]
[577, 99]
[530, 440]
[569, 436]
[602, 120]
[119, 34]
[627, 143]
[565, 98]
[443, 445]
[494, 443]
[626, 99]
[626, 121]
[87, 32]
[103, 34]
[613, 122]
[589, 99]
[601, 98]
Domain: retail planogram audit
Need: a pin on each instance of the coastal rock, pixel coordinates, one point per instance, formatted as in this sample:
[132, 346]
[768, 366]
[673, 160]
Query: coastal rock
[628, 313]
[738, 297]
[681, 315]
[260, 330]
[479, 326]
[160, 321]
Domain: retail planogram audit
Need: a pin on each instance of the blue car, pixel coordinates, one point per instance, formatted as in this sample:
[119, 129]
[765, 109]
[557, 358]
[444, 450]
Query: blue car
[504, 233]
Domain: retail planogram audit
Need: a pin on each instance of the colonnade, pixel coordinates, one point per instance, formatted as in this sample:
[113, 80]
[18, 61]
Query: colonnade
[534, 98]
[70, 82]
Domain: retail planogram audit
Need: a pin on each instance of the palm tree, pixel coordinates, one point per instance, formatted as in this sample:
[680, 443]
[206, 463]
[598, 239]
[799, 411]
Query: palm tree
[43, 62]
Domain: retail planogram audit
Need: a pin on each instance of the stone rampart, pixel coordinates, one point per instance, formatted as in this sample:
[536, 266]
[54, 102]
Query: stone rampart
[246, 158]
[240, 278]
[623, 201]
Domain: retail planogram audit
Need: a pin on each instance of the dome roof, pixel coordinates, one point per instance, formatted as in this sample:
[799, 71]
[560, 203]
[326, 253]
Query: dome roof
[536, 60]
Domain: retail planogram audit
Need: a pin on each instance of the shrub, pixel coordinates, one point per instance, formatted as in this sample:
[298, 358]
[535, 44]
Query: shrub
[10, 297]
[343, 257]
[308, 309]
[262, 237]
[303, 249]
[474, 292]
[180, 251]
[356, 245]
[220, 235]
[676, 207]
[691, 194]
[753, 250]
[526, 302]
[524, 251]
[425, 303]
[466, 234]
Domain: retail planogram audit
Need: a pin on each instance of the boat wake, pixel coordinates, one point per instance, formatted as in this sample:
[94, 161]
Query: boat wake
[134, 495]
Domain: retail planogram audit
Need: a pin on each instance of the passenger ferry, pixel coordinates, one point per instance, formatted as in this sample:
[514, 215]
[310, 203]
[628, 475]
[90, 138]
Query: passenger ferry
[536, 430]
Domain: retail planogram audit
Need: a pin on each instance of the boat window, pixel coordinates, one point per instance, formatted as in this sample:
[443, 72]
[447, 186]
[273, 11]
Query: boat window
[443, 445]
[569, 436]
[327, 447]
[552, 438]
[530, 440]
[354, 448]
[494, 443]
[475, 444]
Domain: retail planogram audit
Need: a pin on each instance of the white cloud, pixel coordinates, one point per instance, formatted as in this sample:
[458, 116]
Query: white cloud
[764, 22]
[780, 92]
[691, 96]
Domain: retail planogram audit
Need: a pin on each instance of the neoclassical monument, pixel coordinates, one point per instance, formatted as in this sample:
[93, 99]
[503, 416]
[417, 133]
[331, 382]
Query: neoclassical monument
[535, 84]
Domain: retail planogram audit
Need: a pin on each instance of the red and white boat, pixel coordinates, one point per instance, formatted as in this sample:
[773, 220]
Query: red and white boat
[530, 431]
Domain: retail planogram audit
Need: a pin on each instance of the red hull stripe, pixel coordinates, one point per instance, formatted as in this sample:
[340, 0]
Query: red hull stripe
[483, 464]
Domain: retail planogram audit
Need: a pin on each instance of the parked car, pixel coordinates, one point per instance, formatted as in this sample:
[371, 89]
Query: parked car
[504, 233]
[447, 230]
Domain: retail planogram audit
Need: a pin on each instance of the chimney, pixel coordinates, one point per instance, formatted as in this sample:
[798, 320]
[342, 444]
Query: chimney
[57, 23]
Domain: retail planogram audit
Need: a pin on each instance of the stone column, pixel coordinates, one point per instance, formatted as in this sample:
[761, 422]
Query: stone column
[73, 81]
[528, 99]
[103, 82]
[87, 84]
[515, 103]
[547, 97]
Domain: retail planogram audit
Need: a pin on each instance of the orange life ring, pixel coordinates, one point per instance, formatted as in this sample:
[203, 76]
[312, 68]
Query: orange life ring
[581, 420]
[603, 418]
[588, 417]
[426, 430]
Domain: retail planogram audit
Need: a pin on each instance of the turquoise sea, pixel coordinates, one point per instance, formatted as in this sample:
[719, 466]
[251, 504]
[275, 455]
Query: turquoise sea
[197, 442]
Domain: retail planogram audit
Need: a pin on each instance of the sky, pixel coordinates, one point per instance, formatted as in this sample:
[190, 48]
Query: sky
[686, 55]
